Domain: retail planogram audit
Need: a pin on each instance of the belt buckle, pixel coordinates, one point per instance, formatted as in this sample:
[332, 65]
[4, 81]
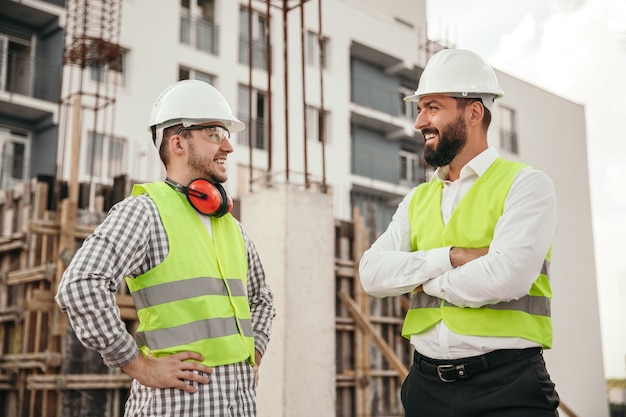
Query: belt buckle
[460, 372]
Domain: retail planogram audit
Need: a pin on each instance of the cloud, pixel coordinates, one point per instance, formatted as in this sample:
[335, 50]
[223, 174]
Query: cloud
[580, 56]
[616, 14]
[559, 60]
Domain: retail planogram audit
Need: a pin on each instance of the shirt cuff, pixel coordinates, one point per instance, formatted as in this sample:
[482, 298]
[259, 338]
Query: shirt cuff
[439, 258]
[120, 353]
[260, 342]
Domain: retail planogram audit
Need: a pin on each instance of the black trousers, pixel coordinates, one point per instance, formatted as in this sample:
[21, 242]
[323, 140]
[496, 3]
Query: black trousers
[506, 383]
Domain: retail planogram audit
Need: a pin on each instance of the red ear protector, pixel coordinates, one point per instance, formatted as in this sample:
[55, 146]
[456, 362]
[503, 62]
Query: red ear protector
[207, 198]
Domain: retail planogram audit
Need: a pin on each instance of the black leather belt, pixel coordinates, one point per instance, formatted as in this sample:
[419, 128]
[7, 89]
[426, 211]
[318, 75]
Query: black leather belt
[465, 368]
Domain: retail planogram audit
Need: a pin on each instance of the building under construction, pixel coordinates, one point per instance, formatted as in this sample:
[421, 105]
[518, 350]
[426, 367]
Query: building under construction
[319, 85]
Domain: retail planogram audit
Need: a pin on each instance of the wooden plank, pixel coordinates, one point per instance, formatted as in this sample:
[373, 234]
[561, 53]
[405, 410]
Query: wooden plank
[40, 198]
[363, 359]
[78, 382]
[32, 274]
[9, 314]
[568, 411]
[40, 300]
[398, 321]
[344, 271]
[8, 222]
[67, 230]
[128, 314]
[59, 324]
[127, 307]
[125, 300]
[75, 148]
[52, 227]
[12, 245]
[367, 326]
[22, 207]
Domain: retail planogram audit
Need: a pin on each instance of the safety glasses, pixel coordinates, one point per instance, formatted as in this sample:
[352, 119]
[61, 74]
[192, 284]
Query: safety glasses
[215, 134]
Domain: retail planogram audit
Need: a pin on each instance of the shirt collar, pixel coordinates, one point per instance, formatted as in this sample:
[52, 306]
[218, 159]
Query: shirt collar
[477, 166]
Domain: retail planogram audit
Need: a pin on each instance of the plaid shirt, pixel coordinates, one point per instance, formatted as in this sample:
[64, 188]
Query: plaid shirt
[130, 242]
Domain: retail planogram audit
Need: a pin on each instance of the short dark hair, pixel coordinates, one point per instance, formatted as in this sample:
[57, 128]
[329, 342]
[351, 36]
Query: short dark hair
[168, 132]
[462, 103]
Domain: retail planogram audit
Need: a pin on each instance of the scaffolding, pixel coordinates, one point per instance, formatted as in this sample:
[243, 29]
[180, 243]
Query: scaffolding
[92, 51]
[270, 177]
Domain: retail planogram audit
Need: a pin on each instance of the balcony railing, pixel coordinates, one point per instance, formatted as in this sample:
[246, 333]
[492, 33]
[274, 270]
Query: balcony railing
[200, 33]
[257, 128]
[383, 167]
[13, 170]
[259, 52]
[22, 74]
[370, 95]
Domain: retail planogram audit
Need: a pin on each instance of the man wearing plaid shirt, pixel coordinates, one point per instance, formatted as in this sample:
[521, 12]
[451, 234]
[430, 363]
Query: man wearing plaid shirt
[205, 311]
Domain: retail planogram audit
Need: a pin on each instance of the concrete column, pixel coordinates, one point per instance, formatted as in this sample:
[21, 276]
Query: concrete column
[293, 231]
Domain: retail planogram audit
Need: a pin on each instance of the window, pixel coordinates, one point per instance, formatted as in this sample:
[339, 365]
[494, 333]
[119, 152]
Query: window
[257, 38]
[313, 50]
[112, 72]
[15, 64]
[197, 25]
[255, 122]
[408, 109]
[373, 88]
[508, 133]
[105, 157]
[314, 123]
[408, 167]
[14, 157]
[377, 209]
[185, 73]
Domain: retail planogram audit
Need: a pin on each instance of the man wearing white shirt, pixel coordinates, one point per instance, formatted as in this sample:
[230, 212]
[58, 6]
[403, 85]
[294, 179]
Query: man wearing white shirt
[473, 245]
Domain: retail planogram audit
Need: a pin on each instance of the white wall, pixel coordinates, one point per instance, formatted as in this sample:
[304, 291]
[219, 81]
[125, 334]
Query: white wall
[293, 232]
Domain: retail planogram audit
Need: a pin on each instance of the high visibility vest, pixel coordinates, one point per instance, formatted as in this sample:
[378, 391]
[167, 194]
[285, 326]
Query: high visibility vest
[472, 225]
[196, 299]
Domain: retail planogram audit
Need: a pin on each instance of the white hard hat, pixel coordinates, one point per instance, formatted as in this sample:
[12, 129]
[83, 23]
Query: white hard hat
[190, 102]
[458, 73]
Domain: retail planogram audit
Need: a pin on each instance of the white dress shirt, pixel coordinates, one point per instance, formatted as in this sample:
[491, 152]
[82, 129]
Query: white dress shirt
[522, 237]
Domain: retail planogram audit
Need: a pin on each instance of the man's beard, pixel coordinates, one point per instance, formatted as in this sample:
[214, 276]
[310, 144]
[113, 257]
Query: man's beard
[451, 140]
[203, 167]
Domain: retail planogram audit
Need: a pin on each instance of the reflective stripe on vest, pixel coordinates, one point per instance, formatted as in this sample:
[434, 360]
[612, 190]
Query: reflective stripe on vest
[536, 305]
[189, 333]
[196, 299]
[189, 288]
[472, 225]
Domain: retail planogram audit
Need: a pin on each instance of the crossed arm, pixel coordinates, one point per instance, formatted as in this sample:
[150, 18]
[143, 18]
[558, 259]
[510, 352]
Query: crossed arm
[469, 277]
[461, 256]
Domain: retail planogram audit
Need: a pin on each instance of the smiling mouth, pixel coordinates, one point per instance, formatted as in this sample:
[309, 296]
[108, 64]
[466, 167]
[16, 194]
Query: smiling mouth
[429, 136]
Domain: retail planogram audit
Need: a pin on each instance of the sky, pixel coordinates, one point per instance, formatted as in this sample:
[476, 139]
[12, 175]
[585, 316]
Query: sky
[577, 50]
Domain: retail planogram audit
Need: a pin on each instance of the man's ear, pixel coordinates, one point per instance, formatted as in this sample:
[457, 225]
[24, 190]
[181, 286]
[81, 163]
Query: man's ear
[477, 112]
[175, 143]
